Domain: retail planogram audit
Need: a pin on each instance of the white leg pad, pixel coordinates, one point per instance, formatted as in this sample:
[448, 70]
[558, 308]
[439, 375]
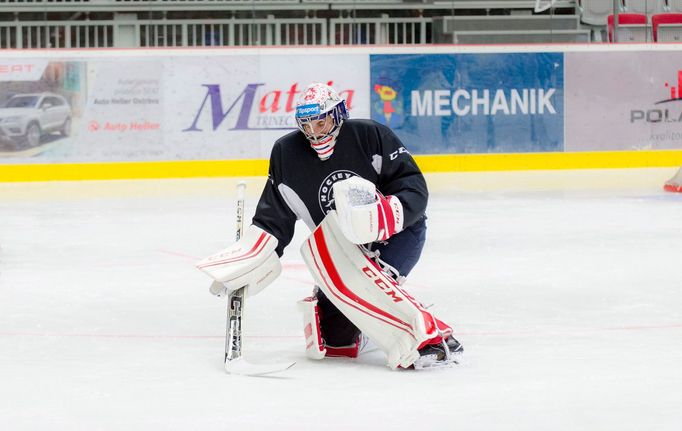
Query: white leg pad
[314, 347]
[366, 295]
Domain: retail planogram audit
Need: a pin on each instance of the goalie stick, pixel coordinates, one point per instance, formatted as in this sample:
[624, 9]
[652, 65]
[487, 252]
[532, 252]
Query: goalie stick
[234, 362]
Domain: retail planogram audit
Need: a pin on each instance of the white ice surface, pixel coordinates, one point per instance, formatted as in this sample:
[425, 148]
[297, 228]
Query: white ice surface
[564, 287]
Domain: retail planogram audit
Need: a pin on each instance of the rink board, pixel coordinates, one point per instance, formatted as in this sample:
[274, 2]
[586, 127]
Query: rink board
[217, 112]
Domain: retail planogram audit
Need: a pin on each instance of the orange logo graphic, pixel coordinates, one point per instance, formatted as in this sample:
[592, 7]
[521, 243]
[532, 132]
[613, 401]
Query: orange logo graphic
[387, 95]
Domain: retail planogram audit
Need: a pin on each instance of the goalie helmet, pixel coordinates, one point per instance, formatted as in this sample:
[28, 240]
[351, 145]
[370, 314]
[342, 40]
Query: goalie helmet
[320, 112]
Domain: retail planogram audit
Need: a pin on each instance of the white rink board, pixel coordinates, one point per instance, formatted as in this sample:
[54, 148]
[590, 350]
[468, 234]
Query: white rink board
[216, 104]
[139, 107]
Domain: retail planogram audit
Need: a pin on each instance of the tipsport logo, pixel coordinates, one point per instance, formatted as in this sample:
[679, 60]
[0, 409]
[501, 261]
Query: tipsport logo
[669, 112]
[308, 110]
[255, 108]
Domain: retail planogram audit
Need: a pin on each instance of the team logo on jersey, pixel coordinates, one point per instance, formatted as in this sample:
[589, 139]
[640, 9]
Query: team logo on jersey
[326, 194]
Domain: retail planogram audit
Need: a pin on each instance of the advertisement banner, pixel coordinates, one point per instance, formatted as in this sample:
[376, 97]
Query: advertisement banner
[123, 116]
[237, 107]
[138, 108]
[22, 70]
[41, 107]
[623, 101]
[471, 103]
[235, 104]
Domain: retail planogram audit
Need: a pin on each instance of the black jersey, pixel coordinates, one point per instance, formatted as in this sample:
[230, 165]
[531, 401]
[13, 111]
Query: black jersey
[299, 184]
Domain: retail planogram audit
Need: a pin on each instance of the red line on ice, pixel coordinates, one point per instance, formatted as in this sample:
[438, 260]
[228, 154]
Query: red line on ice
[467, 333]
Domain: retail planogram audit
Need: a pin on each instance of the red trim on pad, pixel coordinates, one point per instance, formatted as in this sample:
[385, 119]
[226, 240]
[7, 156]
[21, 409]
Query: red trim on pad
[257, 248]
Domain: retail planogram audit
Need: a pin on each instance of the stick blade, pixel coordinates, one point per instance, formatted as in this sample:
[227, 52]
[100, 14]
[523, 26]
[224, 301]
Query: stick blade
[241, 367]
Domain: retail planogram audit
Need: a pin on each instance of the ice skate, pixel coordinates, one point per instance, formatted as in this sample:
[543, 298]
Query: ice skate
[439, 355]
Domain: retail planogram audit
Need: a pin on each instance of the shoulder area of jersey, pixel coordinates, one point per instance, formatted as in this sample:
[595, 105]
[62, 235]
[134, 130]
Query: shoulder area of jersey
[291, 137]
[366, 124]
[362, 122]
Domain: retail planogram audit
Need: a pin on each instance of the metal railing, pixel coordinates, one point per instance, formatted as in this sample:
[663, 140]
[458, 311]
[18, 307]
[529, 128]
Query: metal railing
[163, 33]
[40, 34]
[182, 2]
[142, 2]
[168, 5]
[147, 5]
[225, 32]
[233, 32]
[379, 31]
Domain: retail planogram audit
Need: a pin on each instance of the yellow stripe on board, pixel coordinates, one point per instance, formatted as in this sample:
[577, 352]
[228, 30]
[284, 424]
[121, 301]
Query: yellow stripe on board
[550, 161]
[133, 170]
[256, 167]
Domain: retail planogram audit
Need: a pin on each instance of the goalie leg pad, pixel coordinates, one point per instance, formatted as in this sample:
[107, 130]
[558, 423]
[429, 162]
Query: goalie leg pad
[350, 351]
[314, 346]
[337, 331]
[444, 331]
[369, 297]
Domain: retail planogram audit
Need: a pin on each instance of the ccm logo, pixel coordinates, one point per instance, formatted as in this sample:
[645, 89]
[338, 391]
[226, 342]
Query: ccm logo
[387, 288]
[394, 155]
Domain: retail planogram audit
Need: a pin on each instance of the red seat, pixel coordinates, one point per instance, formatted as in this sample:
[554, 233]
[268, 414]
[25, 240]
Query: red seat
[627, 19]
[664, 18]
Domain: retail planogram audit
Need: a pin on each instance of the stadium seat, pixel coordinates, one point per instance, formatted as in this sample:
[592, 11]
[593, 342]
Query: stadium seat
[647, 7]
[595, 12]
[632, 27]
[667, 27]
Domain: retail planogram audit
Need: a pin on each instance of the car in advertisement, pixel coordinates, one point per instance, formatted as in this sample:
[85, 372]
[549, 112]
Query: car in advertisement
[26, 118]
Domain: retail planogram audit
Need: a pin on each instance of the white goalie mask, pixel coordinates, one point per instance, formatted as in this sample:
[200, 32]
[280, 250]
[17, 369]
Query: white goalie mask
[319, 115]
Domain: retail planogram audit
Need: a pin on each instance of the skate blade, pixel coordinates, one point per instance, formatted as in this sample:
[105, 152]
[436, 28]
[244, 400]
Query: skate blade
[431, 363]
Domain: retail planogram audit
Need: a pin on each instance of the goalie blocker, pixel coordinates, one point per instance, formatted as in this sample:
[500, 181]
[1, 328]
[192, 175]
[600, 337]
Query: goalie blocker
[251, 262]
[397, 323]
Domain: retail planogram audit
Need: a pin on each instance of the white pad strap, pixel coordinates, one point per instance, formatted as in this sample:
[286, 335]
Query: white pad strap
[251, 262]
[366, 295]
